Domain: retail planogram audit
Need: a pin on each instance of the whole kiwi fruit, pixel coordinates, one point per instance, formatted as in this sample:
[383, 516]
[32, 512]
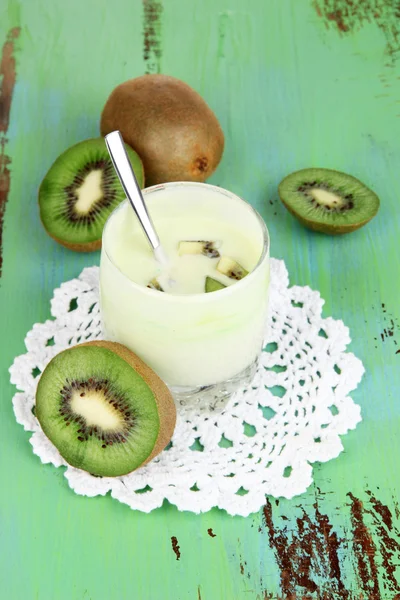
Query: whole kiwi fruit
[170, 126]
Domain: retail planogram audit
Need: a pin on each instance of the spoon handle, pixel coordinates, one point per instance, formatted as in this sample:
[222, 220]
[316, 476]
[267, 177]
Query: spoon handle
[123, 168]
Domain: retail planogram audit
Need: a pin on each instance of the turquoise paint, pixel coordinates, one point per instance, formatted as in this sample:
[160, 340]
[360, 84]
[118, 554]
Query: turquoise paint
[289, 94]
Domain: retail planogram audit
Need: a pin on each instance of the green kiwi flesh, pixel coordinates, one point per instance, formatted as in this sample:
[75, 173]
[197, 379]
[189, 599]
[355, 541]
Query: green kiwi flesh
[105, 410]
[213, 285]
[328, 201]
[80, 191]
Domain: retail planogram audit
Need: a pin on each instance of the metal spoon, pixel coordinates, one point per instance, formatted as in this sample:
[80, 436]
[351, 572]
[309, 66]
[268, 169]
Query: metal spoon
[123, 168]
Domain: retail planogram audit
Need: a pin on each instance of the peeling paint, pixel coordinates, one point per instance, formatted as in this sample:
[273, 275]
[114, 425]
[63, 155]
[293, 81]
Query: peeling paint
[349, 15]
[364, 548]
[312, 551]
[7, 76]
[305, 553]
[176, 547]
[152, 51]
[389, 546]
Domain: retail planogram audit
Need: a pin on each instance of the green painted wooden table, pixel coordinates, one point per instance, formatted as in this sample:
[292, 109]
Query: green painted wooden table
[295, 83]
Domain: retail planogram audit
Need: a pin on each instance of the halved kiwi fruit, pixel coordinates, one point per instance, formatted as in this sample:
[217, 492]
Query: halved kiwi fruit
[328, 201]
[105, 410]
[80, 191]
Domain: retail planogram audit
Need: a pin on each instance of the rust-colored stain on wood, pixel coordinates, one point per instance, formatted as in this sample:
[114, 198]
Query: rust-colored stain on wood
[152, 51]
[176, 547]
[7, 76]
[313, 550]
[388, 545]
[350, 15]
[364, 548]
[391, 329]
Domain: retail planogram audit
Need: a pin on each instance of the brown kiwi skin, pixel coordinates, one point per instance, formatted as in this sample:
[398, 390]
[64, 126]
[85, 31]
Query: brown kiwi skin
[165, 402]
[323, 227]
[89, 246]
[156, 112]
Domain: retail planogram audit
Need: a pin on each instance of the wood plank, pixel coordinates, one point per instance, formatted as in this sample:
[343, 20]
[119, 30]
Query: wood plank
[294, 84]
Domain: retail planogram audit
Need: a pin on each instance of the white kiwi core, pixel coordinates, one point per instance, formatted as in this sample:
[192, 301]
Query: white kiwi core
[89, 192]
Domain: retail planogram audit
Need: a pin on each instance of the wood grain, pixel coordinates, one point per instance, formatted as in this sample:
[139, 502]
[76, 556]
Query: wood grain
[294, 84]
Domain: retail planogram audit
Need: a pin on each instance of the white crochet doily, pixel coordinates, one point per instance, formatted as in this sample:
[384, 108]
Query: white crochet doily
[262, 442]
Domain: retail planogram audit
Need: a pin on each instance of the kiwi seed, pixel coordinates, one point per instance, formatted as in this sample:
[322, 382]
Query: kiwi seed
[328, 201]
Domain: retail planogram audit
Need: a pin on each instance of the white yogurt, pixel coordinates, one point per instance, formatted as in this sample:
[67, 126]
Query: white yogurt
[188, 337]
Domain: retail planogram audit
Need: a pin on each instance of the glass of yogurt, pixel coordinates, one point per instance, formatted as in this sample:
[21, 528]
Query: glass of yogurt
[199, 322]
